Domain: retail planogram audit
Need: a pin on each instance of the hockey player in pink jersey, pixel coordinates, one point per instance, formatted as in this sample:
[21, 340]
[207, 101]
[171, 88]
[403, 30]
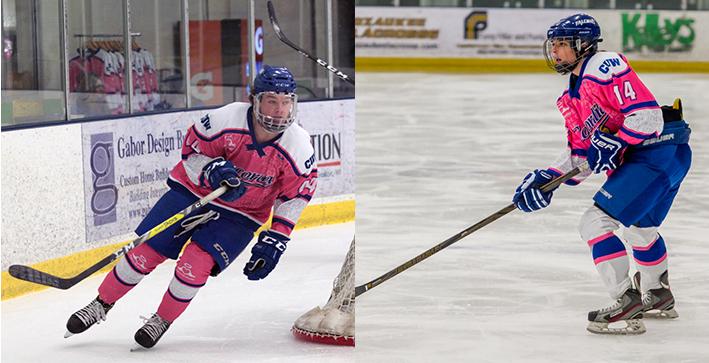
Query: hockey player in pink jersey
[614, 124]
[268, 163]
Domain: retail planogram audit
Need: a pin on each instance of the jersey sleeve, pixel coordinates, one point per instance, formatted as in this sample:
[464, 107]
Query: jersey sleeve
[299, 180]
[295, 196]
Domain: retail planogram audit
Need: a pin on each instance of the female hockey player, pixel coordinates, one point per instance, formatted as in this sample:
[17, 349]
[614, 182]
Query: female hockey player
[266, 161]
[615, 125]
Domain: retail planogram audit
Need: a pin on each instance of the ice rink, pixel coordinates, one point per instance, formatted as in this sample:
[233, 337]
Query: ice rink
[437, 153]
[232, 319]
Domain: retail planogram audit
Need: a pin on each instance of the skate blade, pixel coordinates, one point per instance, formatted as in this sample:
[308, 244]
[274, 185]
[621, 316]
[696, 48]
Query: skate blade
[68, 334]
[661, 314]
[632, 327]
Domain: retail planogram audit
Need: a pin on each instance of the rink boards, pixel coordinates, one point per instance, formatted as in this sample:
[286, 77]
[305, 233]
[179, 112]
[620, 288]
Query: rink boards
[484, 40]
[76, 191]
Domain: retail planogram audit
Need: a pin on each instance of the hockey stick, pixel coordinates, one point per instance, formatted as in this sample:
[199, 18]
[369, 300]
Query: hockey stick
[282, 37]
[27, 273]
[361, 289]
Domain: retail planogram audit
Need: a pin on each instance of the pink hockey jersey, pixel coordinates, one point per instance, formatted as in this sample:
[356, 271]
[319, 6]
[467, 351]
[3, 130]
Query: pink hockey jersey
[279, 174]
[606, 93]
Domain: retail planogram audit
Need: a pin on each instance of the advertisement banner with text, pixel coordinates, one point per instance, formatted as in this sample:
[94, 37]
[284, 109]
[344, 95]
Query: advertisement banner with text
[520, 33]
[126, 161]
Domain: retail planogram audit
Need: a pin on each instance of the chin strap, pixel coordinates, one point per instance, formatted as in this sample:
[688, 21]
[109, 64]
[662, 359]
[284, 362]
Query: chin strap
[580, 55]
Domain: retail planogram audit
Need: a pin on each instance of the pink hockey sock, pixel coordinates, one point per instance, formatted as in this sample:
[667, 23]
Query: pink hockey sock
[191, 273]
[128, 272]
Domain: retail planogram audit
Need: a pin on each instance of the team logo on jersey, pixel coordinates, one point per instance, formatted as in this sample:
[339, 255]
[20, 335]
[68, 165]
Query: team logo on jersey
[596, 118]
[253, 178]
[230, 143]
[608, 63]
[205, 122]
[475, 23]
[310, 161]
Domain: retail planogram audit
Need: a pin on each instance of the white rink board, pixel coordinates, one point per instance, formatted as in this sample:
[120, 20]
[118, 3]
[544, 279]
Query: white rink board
[449, 32]
[452, 152]
[232, 319]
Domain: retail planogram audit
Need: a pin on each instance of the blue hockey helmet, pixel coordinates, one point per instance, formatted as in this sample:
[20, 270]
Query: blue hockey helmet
[580, 31]
[274, 79]
[274, 98]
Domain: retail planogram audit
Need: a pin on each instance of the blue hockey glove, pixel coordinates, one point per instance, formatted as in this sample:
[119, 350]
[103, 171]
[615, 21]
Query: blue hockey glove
[265, 254]
[605, 151]
[528, 195]
[222, 172]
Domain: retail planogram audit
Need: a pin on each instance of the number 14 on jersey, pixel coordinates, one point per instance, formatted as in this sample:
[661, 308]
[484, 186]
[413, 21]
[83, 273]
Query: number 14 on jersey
[628, 92]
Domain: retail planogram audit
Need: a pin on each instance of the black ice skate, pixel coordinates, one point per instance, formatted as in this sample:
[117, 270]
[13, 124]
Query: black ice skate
[150, 333]
[627, 309]
[658, 303]
[86, 317]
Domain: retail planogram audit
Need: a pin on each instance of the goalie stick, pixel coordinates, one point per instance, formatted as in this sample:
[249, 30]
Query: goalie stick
[282, 37]
[361, 289]
[27, 273]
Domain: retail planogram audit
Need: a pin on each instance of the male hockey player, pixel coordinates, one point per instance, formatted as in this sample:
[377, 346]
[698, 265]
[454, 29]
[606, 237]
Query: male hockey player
[267, 162]
[614, 123]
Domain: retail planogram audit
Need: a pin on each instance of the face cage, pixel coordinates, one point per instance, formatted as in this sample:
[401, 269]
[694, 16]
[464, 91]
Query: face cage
[576, 45]
[275, 124]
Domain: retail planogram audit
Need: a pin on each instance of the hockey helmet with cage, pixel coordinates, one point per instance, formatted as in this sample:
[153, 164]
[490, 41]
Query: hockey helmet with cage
[580, 31]
[270, 83]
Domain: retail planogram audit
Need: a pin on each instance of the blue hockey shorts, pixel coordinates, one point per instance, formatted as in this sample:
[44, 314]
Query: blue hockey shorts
[222, 233]
[641, 191]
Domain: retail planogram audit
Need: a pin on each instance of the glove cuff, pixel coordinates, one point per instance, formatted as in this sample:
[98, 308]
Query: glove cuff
[553, 172]
[548, 174]
[273, 239]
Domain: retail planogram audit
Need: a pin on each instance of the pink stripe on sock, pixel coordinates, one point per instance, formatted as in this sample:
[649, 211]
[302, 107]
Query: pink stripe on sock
[610, 257]
[600, 238]
[646, 248]
[652, 263]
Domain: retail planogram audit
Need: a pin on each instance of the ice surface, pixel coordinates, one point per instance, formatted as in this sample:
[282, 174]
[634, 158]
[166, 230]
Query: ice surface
[232, 319]
[436, 154]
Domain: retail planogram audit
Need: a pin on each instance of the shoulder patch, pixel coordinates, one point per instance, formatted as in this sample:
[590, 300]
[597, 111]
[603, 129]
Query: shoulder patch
[206, 122]
[604, 65]
[295, 143]
[231, 116]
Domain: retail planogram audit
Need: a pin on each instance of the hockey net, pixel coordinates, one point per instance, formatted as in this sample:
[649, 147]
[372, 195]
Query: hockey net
[333, 323]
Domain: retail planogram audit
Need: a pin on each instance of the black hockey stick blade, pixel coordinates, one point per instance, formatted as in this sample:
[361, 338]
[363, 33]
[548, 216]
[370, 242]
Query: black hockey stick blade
[284, 39]
[27, 273]
[361, 289]
[30, 274]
